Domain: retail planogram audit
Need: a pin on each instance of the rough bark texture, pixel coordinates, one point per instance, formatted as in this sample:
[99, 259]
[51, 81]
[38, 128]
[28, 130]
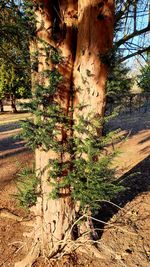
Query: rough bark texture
[88, 76]
[55, 222]
[53, 217]
[95, 36]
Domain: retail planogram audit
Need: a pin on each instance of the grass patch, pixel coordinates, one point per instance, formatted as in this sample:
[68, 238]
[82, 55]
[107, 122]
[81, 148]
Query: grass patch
[6, 118]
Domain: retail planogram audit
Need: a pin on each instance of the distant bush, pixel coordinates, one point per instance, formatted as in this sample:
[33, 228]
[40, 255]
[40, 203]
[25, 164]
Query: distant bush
[144, 79]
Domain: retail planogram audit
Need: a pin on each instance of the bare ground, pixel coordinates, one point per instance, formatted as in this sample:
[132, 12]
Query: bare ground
[125, 238]
[13, 155]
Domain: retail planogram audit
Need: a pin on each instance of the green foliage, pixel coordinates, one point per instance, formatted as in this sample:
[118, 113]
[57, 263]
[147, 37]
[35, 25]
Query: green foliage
[119, 83]
[86, 172]
[15, 34]
[16, 30]
[89, 174]
[55, 55]
[2, 82]
[27, 187]
[118, 86]
[43, 132]
[144, 79]
[109, 58]
[13, 83]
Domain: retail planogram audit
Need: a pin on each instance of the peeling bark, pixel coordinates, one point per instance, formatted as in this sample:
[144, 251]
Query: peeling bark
[95, 36]
[83, 69]
[53, 217]
[56, 216]
[95, 39]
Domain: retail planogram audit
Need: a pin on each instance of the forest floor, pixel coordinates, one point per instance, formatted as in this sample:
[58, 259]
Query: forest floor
[125, 238]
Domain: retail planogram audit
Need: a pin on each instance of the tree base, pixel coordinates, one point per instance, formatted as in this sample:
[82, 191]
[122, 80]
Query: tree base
[30, 258]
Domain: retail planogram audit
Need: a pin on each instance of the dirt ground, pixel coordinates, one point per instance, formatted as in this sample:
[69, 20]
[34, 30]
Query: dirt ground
[124, 238]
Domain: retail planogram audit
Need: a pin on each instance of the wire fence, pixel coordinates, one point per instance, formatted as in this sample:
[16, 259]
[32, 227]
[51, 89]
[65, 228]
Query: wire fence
[123, 104]
[128, 104]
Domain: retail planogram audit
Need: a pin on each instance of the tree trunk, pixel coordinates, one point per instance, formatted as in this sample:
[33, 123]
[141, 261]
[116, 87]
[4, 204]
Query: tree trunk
[95, 37]
[1, 106]
[54, 217]
[87, 75]
[34, 63]
[55, 222]
[94, 42]
[13, 104]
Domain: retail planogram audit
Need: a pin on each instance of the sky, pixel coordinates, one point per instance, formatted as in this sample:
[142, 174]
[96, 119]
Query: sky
[138, 42]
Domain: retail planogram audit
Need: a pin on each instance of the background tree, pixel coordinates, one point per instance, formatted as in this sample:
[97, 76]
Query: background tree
[14, 52]
[14, 84]
[16, 31]
[118, 86]
[119, 83]
[2, 86]
[144, 79]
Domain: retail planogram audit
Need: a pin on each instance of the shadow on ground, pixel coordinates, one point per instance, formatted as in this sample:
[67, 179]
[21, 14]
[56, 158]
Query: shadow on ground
[9, 127]
[10, 144]
[135, 182]
[132, 124]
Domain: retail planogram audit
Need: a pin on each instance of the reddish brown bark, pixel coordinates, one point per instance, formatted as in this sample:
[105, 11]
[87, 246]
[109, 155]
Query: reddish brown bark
[53, 217]
[82, 68]
[55, 222]
[95, 36]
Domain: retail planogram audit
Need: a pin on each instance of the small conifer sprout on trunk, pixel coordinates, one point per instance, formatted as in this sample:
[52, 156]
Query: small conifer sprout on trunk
[68, 106]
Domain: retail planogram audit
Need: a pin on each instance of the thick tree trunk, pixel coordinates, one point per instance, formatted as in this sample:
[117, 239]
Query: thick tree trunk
[55, 222]
[94, 42]
[54, 217]
[95, 37]
[88, 76]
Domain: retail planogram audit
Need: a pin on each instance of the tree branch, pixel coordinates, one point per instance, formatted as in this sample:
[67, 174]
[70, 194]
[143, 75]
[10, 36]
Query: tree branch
[132, 35]
[121, 12]
[139, 52]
